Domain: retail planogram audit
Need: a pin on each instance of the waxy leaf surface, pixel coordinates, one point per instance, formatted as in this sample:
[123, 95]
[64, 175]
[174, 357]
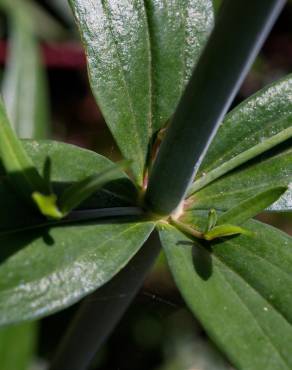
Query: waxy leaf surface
[140, 55]
[239, 289]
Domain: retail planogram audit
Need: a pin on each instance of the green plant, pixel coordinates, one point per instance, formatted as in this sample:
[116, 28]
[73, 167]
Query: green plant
[233, 272]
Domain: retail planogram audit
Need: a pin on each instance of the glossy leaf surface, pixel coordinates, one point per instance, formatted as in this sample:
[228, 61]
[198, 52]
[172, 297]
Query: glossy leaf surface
[67, 164]
[140, 55]
[49, 269]
[24, 86]
[258, 118]
[244, 183]
[239, 289]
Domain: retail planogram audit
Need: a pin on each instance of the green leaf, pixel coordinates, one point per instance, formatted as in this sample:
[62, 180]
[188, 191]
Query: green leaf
[69, 164]
[17, 346]
[77, 193]
[237, 288]
[18, 165]
[133, 48]
[246, 182]
[260, 117]
[46, 270]
[25, 86]
[225, 230]
[251, 207]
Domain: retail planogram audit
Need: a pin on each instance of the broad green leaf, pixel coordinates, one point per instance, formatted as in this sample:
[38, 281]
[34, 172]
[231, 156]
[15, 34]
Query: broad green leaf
[24, 86]
[17, 346]
[251, 207]
[239, 290]
[238, 186]
[263, 115]
[133, 48]
[69, 164]
[46, 270]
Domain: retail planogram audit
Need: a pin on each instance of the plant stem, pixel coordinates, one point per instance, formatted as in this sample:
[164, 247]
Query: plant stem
[241, 28]
[102, 310]
[240, 159]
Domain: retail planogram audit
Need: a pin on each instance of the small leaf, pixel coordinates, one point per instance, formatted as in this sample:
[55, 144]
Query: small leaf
[47, 205]
[212, 219]
[79, 192]
[225, 230]
[252, 206]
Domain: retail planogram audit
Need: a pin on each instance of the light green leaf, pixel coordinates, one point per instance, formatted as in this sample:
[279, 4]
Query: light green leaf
[46, 270]
[25, 86]
[225, 230]
[251, 207]
[133, 48]
[260, 117]
[69, 164]
[17, 346]
[247, 182]
[18, 165]
[237, 288]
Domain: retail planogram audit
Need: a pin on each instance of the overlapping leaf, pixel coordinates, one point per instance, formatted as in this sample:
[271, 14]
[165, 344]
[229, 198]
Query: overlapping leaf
[237, 288]
[140, 55]
[68, 165]
[242, 184]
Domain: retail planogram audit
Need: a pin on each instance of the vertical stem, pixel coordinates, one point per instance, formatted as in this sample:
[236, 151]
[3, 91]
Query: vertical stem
[242, 27]
[102, 310]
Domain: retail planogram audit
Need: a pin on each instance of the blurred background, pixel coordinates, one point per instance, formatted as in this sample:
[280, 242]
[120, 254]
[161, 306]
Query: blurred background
[158, 332]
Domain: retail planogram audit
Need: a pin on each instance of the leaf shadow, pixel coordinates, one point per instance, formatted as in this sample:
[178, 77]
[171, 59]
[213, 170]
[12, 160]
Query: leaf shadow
[201, 258]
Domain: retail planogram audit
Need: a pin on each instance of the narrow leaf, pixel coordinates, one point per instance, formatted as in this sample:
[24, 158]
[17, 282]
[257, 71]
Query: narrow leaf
[132, 50]
[212, 219]
[25, 86]
[79, 192]
[225, 230]
[238, 291]
[251, 207]
[243, 157]
[260, 117]
[18, 165]
[246, 182]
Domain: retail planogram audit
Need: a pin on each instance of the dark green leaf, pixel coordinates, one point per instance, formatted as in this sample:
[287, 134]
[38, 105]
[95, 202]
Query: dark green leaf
[133, 48]
[238, 186]
[69, 164]
[17, 346]
[46, 270]
[239, 289]
[263, 115]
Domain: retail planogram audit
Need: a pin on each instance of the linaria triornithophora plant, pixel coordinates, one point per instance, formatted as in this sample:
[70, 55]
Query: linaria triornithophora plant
[234, 273]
